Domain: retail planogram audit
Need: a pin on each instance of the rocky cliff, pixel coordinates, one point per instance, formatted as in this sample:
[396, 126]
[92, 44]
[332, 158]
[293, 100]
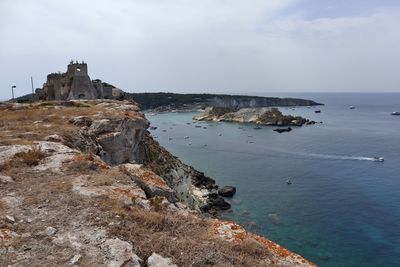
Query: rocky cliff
[263, 116]
[84, 184]
[168, 101]
[234, 101]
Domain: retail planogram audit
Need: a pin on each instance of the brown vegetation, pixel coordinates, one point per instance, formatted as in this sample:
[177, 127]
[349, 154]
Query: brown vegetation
[188, 241]
[32, 157]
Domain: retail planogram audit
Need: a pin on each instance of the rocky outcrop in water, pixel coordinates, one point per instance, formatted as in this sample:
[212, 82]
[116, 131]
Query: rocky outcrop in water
[263, 116]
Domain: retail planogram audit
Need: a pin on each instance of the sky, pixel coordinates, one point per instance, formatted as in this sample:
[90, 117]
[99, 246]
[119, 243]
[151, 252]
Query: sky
[220, 46]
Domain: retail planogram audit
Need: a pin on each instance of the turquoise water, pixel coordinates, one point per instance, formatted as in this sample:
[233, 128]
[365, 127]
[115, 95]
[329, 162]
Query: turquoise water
[342, 209]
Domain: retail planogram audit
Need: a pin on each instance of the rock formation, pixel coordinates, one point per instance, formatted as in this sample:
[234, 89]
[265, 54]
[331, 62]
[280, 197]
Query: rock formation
[75, 84]
[263, 116]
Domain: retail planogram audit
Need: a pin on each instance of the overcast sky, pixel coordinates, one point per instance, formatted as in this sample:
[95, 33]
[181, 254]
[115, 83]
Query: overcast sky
[205, 45]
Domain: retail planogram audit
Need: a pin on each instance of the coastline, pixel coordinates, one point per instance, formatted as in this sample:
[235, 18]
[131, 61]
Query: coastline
[116, 132]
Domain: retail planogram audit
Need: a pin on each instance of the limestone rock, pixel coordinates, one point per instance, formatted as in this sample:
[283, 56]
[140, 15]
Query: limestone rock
[81, 121]
[11, 201]
[75, 259]
[50, 231]
[156, 260]
[150, 182]
[6, 179]
[10, 219]
[119, 138]
[57, 154]
[121, 254]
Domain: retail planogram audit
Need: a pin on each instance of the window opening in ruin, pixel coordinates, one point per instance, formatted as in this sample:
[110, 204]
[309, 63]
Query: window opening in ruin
[78, 69]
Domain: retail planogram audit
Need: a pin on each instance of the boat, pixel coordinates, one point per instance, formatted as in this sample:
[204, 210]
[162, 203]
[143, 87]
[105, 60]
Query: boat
[257, 128]
[186, 137]
[396, 113]
[153, 128]
[289, 182]
[197, 126]
[379, 159]
[352, 107]
[317, 111]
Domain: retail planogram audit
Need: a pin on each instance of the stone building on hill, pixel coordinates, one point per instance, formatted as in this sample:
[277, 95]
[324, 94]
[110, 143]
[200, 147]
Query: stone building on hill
[75, 84]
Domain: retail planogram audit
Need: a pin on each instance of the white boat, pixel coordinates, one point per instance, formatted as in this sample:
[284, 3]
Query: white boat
[379, 159]
[352, 107]
[289, 181]
[396, 113]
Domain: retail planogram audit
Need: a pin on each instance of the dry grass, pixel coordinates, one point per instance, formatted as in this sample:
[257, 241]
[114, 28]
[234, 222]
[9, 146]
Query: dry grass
[30, 158]
[108, 177]
[156, 203]
[187, 241]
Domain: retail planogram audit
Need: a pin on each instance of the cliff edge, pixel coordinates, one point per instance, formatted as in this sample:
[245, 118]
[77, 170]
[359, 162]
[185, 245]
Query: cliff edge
[84, 184]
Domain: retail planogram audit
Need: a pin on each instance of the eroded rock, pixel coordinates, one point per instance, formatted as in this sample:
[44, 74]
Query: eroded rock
[156, 260]
[150, 182]
[6, 179]
[120, 254]
[119, 138]
[81, 121]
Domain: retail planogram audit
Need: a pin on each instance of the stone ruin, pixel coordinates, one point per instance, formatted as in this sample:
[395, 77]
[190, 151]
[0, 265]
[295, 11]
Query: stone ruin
[75, 84]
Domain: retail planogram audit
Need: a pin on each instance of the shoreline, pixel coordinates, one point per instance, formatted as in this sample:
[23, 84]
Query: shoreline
[99, 154]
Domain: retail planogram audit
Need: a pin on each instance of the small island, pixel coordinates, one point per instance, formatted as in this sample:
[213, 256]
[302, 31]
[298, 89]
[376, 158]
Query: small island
[270, 116]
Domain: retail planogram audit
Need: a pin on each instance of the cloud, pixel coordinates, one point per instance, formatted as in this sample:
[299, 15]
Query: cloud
[209, 45]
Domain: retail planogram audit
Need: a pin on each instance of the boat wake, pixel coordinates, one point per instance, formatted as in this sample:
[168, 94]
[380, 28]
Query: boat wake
[281, 153]
[335, 157]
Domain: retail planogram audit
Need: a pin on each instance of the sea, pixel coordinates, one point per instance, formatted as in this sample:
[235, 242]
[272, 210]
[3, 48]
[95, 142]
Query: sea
[341, 209]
